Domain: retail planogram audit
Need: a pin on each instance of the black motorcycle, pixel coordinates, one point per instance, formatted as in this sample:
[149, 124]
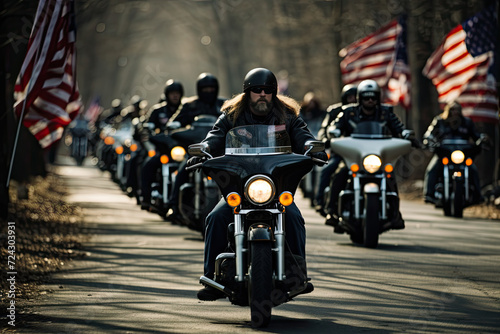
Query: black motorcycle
[454, 188]
[199, 195]
[258, 176]
[79, 132]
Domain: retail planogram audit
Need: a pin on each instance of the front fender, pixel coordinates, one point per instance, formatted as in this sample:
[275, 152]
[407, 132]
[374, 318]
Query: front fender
[371, 188]
[260, 232]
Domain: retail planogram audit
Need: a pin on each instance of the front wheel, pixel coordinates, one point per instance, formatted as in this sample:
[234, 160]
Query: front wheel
[260, 283]
[371, 223]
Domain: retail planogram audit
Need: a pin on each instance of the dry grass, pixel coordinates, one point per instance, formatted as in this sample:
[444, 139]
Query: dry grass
[48, 235]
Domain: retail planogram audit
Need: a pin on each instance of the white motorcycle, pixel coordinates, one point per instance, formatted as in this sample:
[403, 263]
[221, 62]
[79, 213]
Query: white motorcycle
[367, 206]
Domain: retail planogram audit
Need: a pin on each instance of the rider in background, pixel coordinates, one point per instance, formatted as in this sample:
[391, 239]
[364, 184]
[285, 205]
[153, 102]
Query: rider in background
[450, 124]
[159, 115]
[258, 104]
[368, 108]
[206, 102]
[348, 96]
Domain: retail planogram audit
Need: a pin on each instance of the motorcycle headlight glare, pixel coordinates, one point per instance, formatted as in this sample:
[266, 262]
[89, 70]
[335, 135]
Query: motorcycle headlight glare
[178, 153]
[372, 163]
[457, 157]
[259, 190]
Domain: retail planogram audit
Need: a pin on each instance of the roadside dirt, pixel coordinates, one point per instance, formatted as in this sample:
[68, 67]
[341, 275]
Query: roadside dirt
[48, 234]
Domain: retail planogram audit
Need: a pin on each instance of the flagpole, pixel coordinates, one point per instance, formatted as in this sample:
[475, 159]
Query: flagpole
[16, 139]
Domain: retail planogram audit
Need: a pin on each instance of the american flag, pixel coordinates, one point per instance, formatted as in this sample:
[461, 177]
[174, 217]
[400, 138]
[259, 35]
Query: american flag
[461, 67]
[381, 56]
[46, 92]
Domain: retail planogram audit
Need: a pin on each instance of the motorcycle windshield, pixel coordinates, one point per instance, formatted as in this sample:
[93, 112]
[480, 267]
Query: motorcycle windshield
[370, 129]
[258, 140]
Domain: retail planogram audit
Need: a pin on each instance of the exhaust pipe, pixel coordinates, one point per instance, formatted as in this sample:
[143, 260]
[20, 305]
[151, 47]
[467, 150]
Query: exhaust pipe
[207, 281]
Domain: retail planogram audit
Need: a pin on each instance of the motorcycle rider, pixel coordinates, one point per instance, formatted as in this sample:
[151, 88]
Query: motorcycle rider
[368, 108]
[450, 124]
[161, 112]
[258, 104]
[348, 96]
[206, 102]
[159, 115]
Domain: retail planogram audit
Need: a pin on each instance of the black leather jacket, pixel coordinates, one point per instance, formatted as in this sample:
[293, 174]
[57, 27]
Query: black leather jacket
[440, 129]
[295, 126]
[352, 114]
[195, 107]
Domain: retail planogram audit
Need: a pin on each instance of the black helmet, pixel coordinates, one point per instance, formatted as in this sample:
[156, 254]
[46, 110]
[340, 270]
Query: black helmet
[348, 90]
[207, 80]
[368, 88]
[260, 77]
[173, 86]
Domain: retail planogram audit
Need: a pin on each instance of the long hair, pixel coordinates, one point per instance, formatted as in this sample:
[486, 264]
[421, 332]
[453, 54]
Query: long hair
[282, 105]
[453, 122]
[446, 111]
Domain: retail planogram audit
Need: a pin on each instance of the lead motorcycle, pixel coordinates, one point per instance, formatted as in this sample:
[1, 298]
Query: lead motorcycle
[364, 206]
[258, 176]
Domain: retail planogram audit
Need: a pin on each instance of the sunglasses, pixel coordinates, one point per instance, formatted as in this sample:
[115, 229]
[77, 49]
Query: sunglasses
[367, 98]
[266, 90]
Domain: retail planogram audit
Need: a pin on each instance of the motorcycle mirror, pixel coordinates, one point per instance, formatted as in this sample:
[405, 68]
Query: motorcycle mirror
[199, 150]
[313, 146]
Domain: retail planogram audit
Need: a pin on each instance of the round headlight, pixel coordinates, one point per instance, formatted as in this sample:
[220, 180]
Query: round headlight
[178, 153]
[457, 157]
[259, 190]
[372, 163]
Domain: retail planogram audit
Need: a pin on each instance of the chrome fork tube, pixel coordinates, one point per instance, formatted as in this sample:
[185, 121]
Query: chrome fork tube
[383, 193]
[165, 171]
[357, 197]
[239, 237]
[279, 234]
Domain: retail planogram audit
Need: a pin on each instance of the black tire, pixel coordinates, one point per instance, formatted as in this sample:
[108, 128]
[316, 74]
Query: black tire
[447, 207]
[457, 206]
[260, 283]
[371, 222]
[356, 238]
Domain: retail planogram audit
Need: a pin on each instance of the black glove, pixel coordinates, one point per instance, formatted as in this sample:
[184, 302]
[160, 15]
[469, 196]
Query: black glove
[415, 142]
[321, 156]
[195, 160]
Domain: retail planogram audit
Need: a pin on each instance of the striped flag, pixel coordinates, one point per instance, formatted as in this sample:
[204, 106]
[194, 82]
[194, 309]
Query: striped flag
[461, 68]
[381, 56]
[46, 91]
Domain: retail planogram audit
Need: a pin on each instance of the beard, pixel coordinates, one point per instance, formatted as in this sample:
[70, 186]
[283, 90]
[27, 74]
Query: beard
[261, 109]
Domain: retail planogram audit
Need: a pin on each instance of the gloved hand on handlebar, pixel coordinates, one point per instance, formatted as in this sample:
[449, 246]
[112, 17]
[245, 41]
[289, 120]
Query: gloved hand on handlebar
[415, 142]
[321, 156]
[195, 160]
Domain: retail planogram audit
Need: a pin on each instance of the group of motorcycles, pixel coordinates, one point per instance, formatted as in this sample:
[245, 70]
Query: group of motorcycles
[124, 144]
[258, 176]
[364, 206]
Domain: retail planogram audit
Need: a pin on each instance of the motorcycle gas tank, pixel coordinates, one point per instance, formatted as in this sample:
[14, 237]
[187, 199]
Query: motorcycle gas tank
[195, 132]
[354, 150]
[230, 172]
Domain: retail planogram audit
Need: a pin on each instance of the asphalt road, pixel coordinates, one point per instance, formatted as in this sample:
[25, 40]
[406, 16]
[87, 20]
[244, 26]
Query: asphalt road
[439, 275]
